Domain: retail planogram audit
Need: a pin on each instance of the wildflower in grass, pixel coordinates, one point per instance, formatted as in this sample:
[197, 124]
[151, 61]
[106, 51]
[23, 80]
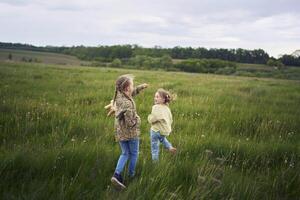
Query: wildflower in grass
[73, 140]
[208, 153]
[203, 136]
[247, 139]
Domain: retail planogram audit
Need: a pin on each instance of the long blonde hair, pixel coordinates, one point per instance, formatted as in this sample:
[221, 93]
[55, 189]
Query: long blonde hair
[122, 83]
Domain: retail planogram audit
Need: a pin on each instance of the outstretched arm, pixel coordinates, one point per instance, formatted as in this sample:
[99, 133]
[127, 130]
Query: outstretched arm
[139, 88]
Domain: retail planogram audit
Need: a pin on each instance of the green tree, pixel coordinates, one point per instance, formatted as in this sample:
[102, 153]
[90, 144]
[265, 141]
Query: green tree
[116, 63]
[275, 63]
[166, 61]
[271, 62]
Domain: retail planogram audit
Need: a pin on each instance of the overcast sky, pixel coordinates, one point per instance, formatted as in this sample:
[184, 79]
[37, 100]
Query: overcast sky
[273, 25]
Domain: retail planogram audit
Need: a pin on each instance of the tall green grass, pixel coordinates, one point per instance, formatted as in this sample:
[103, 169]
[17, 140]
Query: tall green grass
[237, 137]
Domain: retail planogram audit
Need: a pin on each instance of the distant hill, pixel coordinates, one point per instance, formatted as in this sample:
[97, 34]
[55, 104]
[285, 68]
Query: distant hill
[40, 57]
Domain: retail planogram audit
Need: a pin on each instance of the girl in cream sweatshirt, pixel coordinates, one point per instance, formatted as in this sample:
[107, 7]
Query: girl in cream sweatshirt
[161, 121]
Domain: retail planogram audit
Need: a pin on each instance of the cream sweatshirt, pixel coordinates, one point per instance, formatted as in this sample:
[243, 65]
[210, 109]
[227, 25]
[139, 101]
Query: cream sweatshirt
[161, 119]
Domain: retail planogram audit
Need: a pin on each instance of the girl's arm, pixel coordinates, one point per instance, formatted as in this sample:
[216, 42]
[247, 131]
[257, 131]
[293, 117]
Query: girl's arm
[151, 118]
[139, 88]
[154, 116]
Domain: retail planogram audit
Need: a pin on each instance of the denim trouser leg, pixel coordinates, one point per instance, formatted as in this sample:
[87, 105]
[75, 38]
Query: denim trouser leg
[165, 142]
[133, 155]
[130, 150]
[154, 145]
[156, 138]
[123, 157]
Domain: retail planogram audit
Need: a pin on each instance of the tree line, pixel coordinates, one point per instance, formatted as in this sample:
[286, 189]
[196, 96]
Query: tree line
[215, 66]
[109, 53]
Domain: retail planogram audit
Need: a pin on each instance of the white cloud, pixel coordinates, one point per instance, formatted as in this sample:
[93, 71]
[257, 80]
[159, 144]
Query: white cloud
[270, 25]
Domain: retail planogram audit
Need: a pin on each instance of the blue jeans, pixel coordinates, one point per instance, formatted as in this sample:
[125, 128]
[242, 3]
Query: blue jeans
[156, 138]
[130, 150]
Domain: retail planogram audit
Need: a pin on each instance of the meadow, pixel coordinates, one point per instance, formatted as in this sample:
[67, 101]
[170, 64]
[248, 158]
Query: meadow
[39, 57]
[237, 137]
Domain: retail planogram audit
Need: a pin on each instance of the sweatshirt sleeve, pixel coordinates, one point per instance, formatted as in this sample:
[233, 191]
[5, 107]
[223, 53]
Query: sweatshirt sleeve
[154, 116]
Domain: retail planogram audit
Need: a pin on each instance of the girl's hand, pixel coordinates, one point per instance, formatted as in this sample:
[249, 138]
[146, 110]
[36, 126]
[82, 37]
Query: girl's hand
[144, 85]
[111, 108]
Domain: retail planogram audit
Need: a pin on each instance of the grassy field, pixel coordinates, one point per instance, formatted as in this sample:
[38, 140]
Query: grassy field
[41, 57]
[237, 137]
[265, 71]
